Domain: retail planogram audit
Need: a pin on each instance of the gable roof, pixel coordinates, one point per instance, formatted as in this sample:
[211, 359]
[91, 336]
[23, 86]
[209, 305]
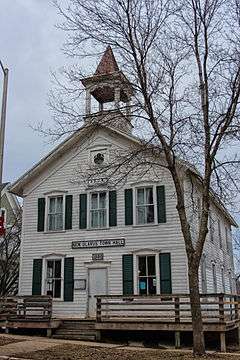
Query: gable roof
[18, 186]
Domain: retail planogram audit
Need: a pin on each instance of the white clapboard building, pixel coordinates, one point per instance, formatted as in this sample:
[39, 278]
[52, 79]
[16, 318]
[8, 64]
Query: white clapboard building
[84, 233]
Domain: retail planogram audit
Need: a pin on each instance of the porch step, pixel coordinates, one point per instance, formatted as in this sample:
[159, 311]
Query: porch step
[76, 337]
[78, 324]
[76, 330]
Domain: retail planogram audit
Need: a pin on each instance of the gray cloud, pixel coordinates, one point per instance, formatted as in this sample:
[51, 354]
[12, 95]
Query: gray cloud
[30, 47]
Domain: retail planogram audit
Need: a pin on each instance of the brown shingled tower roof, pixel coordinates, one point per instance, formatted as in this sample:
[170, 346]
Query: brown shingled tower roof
[108, 63]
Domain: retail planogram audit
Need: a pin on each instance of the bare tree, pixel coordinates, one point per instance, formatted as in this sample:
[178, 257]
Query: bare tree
[9, 258]
[183, 60]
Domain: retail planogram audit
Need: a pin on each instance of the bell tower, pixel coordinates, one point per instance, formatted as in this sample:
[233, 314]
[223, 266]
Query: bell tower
[108, 86]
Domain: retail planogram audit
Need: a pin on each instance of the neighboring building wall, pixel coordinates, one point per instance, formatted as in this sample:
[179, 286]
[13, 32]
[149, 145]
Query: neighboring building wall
[217, 250]
[9, 204]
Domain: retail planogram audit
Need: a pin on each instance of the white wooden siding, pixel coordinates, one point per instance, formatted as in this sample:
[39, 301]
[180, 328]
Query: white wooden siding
[165, 237]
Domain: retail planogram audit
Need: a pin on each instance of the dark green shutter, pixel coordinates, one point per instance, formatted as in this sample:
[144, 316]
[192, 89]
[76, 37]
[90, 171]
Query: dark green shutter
[127, 274]
[83, 211]
[41, 214]
[165, 273]
[112, 208]
[37, 277]
[128, 207]
[68, 278]
[161, 204]
[68, 212]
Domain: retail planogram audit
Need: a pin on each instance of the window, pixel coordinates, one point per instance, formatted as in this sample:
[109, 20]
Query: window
[147, 275]
[98, 210]
[211, 221]
[219, 233]
[98, 159]
[144, 205]
[54, 278]
[230, 282]
[214, 278]
[223, 280]
[228, 240]
[3, 213]
[199, 211]
[204, 274]
[55, 213]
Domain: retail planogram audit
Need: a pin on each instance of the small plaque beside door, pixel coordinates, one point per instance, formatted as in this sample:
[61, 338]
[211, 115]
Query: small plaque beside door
[80, 284]
[98, 257]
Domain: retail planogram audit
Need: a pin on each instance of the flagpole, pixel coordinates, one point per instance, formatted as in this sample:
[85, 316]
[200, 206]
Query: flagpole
[2, 125]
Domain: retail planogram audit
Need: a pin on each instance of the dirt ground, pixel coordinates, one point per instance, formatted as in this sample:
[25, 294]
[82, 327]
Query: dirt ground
[6, 341]
[79, 352]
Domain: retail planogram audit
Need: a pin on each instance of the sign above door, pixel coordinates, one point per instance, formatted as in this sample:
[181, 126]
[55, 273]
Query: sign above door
[98, 243]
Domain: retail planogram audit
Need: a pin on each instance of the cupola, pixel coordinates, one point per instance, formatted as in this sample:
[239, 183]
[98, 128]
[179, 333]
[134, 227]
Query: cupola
[109, 85]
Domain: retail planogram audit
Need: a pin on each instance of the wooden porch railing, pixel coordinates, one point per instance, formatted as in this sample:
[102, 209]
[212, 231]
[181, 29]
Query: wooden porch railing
[174, 308]
[26, 308]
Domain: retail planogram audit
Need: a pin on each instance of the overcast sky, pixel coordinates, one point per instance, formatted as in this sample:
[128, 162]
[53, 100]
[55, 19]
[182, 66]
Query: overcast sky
[30, 46]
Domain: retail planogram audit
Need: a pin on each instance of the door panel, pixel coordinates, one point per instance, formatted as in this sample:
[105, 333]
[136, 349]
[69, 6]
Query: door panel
[97, 285]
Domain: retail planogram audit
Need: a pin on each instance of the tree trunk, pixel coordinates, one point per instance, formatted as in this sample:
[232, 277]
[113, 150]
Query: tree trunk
[198, 336]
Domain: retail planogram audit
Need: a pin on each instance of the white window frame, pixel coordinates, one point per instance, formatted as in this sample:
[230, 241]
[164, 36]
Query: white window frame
[89, 209]
[220, 234]
[140, 186]
[47, 201]
[146, 276]
[223, 279]
[44, 277]
[211, 227]
[204, 274]
[214, 278]
[146, 252]
[230, 279]
[99, 149]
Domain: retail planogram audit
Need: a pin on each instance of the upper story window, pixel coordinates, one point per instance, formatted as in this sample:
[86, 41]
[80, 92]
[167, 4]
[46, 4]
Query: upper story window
[147, 275]
[145, 213]
[55, 213]
[98, 209]
[212, 230]
[4, 214]
[54, 278]
[99, 156]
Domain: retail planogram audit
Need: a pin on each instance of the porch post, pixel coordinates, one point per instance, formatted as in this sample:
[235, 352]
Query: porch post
[177, 339]
[49, 332]
[223, 341]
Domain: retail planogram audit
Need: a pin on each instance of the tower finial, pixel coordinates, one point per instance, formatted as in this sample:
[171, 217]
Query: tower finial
[108, 63]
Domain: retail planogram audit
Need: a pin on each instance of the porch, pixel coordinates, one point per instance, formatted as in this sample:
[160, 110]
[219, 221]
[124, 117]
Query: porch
[220, 314]
[27, 312]
[165, 313]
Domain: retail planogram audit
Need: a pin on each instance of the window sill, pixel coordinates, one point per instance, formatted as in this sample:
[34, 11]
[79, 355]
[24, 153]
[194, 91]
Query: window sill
[98, 229]
[144, 225]
[57, 300]
[54, 231]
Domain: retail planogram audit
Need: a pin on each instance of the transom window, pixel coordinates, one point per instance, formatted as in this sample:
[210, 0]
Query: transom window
[147, 275]
[144, 205]
[54, 278]
[98, 210]
[55, 213]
